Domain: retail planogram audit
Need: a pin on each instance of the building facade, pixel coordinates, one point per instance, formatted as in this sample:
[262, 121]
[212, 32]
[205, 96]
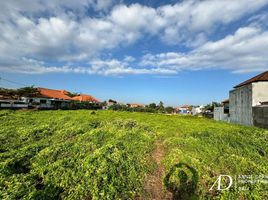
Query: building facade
[245, 96]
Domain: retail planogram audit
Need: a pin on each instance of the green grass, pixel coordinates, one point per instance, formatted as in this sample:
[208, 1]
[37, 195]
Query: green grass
[106, 155]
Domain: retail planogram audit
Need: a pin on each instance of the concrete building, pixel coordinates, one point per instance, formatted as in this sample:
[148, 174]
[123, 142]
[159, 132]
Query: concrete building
[221, 113]
[196, 110]
[260, 115]
[247, 95]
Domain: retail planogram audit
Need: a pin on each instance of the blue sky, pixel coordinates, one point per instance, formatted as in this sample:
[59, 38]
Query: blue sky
[178, 52]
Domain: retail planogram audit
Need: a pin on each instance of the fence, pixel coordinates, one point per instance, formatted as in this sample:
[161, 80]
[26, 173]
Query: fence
[260, 116]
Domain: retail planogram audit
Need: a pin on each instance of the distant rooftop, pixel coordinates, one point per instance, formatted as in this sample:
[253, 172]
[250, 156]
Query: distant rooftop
[261, 77]
[63, 94]
[225, 101]
[56, 94]
[85, 97]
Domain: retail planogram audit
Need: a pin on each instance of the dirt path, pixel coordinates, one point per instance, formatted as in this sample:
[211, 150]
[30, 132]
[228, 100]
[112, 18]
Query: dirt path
[154, 186]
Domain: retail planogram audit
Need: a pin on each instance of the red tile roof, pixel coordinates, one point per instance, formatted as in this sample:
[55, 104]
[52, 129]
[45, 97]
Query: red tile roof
[261, 77]
[55, 94]
[84, 97]
[184, 106]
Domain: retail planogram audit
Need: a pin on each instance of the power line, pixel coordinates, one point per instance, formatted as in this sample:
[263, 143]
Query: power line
[14, 82]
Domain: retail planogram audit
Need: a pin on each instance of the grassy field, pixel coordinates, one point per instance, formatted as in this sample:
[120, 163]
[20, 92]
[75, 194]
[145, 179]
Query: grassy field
[114, 155]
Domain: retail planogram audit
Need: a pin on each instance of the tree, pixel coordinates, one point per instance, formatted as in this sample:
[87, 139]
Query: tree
[72, 94]
[152, 106]
[211, 106]
[6, 92]
[112, 101]
[25, 91]
[161, 107]
[169, 109]
[161, 104]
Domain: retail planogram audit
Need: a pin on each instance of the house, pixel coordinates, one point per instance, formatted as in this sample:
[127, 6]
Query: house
[84, 101]
[111, 102]
[13, 104]
[196, 110]
[135, 105]
[247, 101]
[85, 98]
[49, 99]
[44, 98]
[185, 109]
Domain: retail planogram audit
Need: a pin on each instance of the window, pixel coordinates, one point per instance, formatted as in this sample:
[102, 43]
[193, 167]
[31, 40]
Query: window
[43, 101]
[18, 102]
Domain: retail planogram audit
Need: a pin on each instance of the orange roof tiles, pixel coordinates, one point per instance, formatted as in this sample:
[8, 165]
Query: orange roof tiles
[184, 106]
[63, 94]
[261, 77]
[55, 94]
[84, 97]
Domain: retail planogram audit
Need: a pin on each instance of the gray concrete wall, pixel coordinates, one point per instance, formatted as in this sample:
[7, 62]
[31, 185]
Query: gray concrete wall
[219, 114]
[260, 116]
[259, 92]
[241, 105]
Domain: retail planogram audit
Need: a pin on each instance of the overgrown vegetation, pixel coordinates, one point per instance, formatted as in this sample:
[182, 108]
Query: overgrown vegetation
[151, 108]
[30, 91]
[106, 155]
[210, 107]
[85, 105]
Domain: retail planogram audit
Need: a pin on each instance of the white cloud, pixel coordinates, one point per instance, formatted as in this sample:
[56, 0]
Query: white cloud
[129, 59]
[243, 51]
[37, 8]
[189, 17]
[56, 31]
[107, 67]
[116, 67]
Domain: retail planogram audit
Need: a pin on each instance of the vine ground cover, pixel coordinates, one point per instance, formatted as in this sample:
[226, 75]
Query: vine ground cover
[108, 155]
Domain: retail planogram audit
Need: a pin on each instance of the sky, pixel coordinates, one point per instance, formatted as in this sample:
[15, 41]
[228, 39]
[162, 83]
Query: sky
[179, 52]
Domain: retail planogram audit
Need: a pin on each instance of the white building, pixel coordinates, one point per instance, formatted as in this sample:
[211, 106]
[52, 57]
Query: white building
[197, 110]
[49, 98]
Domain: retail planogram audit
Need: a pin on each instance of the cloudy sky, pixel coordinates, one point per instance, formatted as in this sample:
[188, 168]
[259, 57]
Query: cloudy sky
[134, 51]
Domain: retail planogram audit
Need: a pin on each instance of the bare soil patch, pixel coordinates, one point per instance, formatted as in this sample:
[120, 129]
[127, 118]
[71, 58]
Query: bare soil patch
[154, 185]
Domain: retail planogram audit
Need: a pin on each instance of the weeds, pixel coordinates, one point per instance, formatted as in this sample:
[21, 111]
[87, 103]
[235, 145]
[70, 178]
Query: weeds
[105, 155]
